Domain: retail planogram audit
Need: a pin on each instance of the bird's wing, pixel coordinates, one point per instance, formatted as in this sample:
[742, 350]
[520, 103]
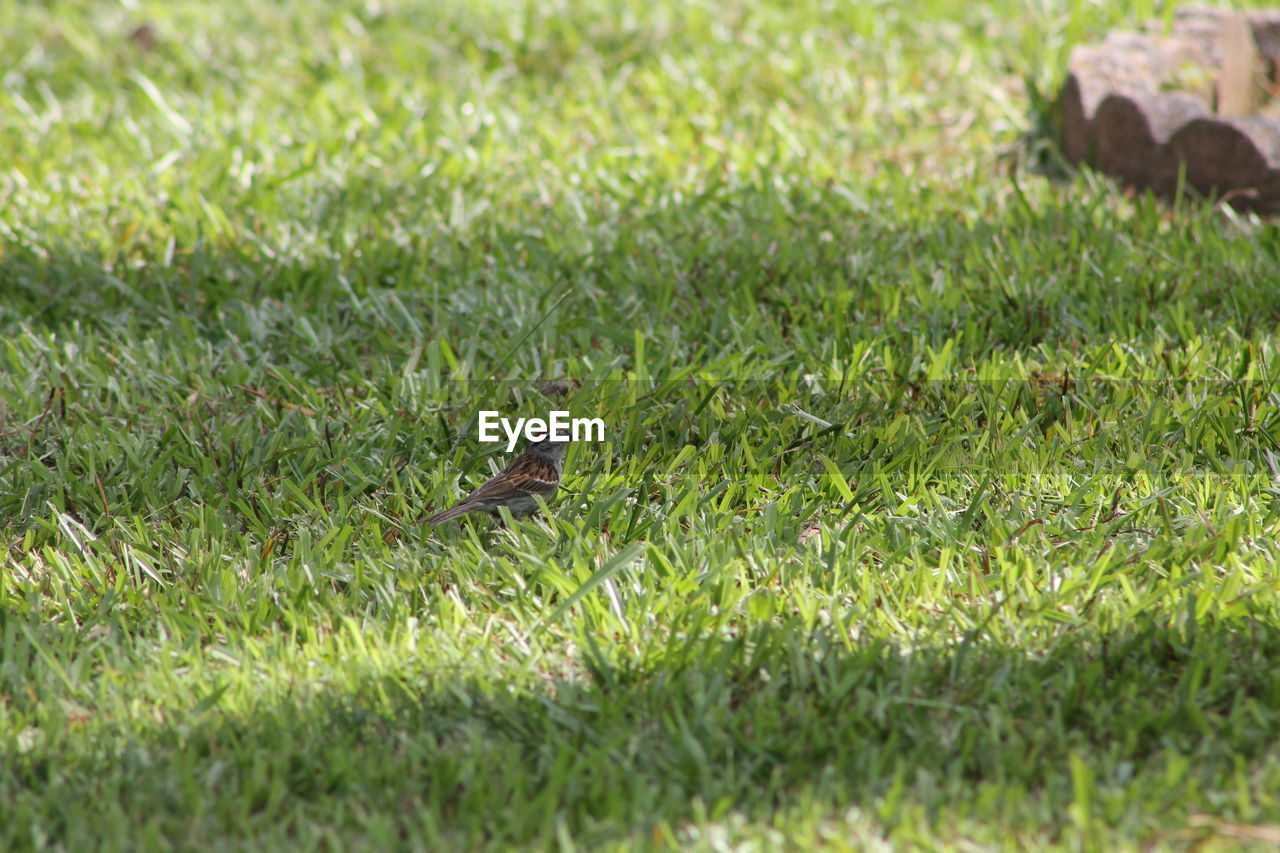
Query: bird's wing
[526, 477]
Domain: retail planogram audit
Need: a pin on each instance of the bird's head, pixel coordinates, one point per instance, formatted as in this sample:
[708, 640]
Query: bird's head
[549, 449]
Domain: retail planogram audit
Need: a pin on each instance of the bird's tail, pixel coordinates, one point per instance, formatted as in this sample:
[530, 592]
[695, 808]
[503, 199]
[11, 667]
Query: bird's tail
[450, 513]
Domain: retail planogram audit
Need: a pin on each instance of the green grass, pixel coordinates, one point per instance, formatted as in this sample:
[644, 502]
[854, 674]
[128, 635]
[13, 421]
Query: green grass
[261, 264]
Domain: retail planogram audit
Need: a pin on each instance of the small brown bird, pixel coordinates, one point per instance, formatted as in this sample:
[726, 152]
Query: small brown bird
[534, 473]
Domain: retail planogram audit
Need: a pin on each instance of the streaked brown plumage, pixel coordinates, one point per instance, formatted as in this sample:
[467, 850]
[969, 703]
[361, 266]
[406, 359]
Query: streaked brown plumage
[534, 473]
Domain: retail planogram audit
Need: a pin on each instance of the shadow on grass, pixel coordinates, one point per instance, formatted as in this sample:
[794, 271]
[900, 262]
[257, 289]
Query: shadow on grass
[766, 726]
[1165, 721]
[799, 266]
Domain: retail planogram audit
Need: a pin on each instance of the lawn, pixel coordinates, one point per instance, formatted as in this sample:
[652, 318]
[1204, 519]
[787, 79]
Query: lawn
[938, 506]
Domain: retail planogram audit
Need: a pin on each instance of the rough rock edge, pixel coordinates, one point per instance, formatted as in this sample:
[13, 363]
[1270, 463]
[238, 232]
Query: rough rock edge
[1117, 117]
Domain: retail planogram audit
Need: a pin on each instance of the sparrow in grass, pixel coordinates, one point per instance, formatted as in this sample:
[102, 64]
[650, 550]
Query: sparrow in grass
[535, 473]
